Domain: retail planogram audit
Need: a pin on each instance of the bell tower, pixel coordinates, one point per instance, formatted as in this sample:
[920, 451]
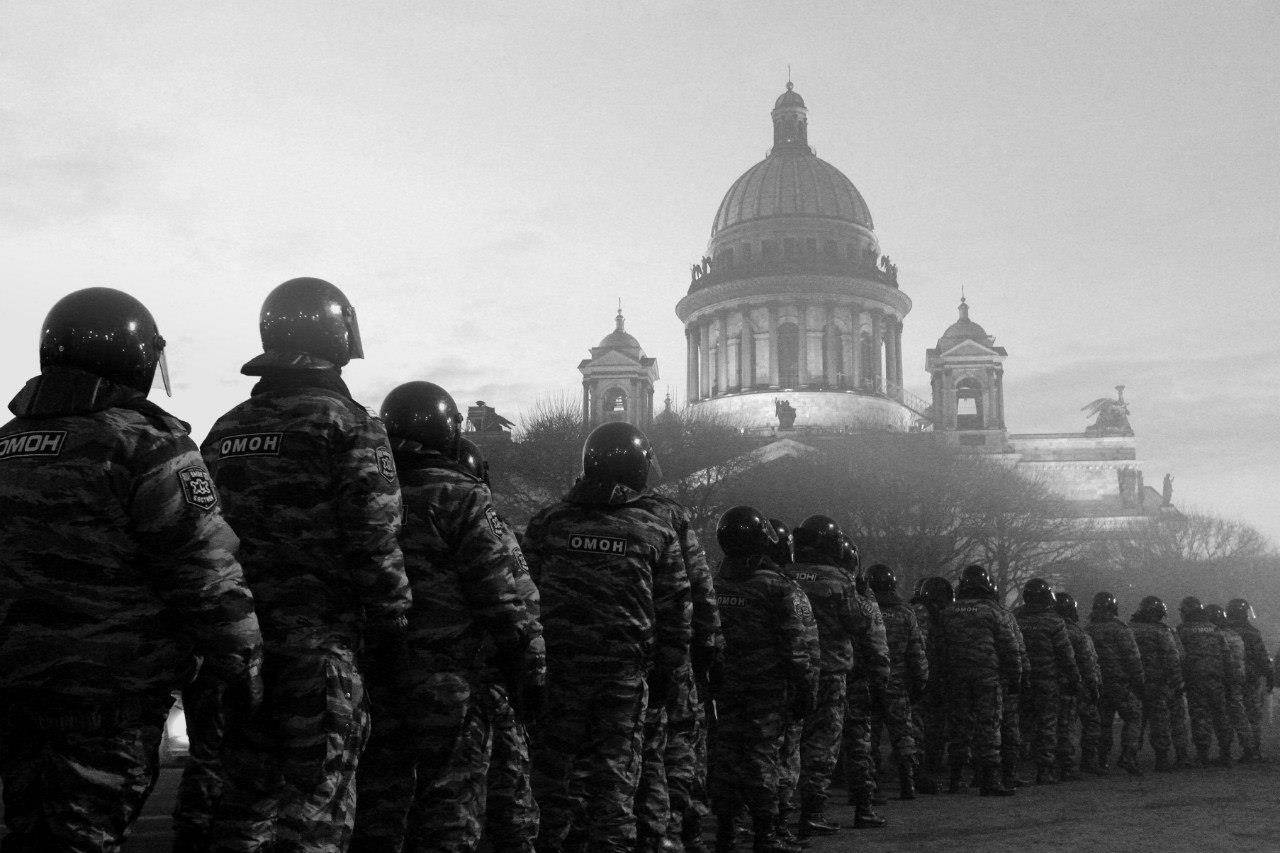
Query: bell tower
[967, 371]
[618, 379]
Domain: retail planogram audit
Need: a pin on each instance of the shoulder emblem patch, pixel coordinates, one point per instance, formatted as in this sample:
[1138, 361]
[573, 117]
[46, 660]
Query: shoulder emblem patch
[491, 515]
[606, 545]
[197, 488]
[386, 464]
[26, 444]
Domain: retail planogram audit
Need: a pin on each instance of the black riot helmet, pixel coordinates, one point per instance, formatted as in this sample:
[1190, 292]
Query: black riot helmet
[974, 578]
[937, 592]
[783, 555]
[1239, 612]
[1151, 609]
[105, 332]
[881, 579]
[312, 316]
[1191, 609]
[744, 532]
[818, 538]
[617, 452]
[850, 559]
[470, 457]
[425, 414]
[1216, 614]
[1105, 603]
[1037, 594]
[1068, 609]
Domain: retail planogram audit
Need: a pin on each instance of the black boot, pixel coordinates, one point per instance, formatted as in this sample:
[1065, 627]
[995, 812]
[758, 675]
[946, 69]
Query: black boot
[991, 784]
[190, 840]
[863, 816]
[956, 783]
[907, 780]
[814, 821]
[726, 833]
[767, 840]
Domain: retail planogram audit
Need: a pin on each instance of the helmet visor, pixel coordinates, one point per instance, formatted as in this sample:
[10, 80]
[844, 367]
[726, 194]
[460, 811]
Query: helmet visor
[355, 348]
[654, 477]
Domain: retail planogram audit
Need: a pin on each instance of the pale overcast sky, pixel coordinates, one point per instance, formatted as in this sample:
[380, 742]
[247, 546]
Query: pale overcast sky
[486, 180]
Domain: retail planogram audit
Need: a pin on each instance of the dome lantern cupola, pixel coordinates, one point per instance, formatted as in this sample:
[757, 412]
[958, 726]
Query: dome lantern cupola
[790, 122]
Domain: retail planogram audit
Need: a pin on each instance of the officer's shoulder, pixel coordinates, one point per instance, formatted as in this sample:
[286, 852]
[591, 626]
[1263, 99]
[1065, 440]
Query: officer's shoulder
[148, 432]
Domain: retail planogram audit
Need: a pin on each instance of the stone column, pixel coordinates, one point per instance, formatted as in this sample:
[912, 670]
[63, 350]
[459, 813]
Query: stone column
[877, 350]
[886, 329]
[586, 404]
[734, 381]
[691, 371]
[897, 351]
[999, 386]
[722, 321]
[802, 343]
[704, 361]
[774, 379]
[856, 318]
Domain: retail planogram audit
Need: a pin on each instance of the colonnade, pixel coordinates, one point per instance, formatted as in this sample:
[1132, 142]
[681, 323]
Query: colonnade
[842, 351]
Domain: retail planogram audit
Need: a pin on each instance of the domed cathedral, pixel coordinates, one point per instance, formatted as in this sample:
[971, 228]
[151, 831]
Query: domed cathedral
[794, 317]
[617, 381]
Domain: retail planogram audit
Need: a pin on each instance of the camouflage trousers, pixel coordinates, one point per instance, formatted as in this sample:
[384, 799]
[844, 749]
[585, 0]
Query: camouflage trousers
[1157, 720]
[1236, 716]
[1179, 725]
[686, 762]
[591, 737]
[1069, 725]
[1089, 722]
[1099, 734]
[931, 716]
[1207, 707]
[202, 777]
[742, 755]
[1249, 731]
[423, 779]
[511, 815]
[856, 740]
[789, 765]
[820, 740]
[892, 713]
[975, 721]
[1039, 717]
[1010, 731]
[72, 781]
[653, 804]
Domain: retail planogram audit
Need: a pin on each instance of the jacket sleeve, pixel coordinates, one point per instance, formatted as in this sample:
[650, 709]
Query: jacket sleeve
[706, 612]
[793, 615]
[917, 659]
[487, 566]
[1131, 660]
[190, 555]
[672, 607]
[1170, 661]
[1257, 663]
[1008, 651]
[370, 514]
[1067, 665]
[1094, 674]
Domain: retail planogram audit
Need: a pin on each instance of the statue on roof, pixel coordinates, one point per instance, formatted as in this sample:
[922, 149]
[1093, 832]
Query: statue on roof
[1111, 416]
[484, 418]
[786, 414]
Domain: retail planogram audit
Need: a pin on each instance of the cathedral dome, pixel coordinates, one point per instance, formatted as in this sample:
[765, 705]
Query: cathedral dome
[791, 183]
[962, 330]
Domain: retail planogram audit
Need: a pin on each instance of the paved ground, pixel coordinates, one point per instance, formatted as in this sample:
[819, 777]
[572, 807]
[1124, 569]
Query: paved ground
[1236, 810]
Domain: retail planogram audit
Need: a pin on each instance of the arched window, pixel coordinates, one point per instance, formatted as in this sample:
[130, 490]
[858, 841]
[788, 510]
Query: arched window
[789, 355]
[833, 357]
[615, 404]
[969, 405]
[868, 378]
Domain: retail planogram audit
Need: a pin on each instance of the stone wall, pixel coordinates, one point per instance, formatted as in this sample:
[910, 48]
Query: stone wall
[831, 410]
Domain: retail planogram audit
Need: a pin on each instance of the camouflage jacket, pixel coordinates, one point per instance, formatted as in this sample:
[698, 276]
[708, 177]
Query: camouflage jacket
[1049, 649]
[461, 567]
[1014, 628]
[908, 663]
[1257, 666]
[1235, 645]
[308, 481]
[116, 565]
[767, 646]
[830, 594]
[527, 590]
[978, 641]
[1207, 656]
[615, 595]
[1086, 658]
[1160, 659]
[702, 591]
[1118, 654]
[870, 642]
